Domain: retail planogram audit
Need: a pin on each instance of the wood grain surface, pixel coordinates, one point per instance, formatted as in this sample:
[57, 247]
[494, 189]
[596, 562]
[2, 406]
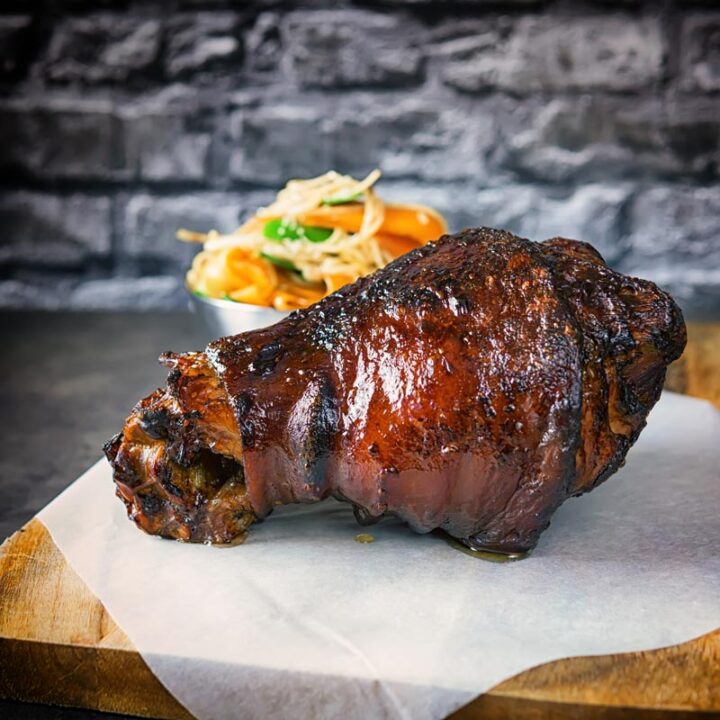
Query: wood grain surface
[58, 645]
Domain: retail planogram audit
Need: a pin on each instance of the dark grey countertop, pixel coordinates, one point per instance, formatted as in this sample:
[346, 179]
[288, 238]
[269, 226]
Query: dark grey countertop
[67, 382]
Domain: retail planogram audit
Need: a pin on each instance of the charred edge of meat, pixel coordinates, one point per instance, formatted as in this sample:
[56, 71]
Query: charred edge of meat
[174, 467]
[200, 501]
[634, 357]
[322, 431]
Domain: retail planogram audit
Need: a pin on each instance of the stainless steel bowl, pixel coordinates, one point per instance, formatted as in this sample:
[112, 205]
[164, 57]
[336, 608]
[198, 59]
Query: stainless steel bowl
[225, 317]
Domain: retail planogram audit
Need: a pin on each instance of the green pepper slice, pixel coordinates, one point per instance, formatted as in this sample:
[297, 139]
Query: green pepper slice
[284, 229]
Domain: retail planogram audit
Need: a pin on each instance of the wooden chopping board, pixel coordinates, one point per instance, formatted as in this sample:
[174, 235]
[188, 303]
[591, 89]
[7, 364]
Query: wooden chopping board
[58, 644]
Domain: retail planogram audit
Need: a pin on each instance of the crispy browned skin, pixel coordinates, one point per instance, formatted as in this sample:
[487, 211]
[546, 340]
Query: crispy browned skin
[472, 385]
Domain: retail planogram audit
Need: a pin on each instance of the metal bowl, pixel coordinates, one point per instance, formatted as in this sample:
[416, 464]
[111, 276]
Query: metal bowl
[225, 317]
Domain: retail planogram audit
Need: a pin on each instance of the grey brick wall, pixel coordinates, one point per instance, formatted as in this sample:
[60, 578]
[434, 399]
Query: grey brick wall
[121, 120]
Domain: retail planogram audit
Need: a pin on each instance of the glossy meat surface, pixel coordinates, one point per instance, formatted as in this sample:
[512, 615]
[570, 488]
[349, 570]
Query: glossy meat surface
[472, 385]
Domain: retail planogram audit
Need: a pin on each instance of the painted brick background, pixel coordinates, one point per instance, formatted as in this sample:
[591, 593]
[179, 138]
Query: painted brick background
[121, 121]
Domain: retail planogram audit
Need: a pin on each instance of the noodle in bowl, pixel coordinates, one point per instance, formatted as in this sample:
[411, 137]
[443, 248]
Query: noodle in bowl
[320, 234]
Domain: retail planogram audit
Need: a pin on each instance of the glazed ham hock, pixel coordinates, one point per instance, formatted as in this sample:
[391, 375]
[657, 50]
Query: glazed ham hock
[472, 385]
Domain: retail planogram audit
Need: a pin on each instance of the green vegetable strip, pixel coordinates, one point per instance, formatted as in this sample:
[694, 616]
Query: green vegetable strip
[280, 262]
[341, 199]
[284, 229]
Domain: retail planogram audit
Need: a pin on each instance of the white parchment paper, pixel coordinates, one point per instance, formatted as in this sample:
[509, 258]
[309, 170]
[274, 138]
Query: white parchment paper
[302, 621]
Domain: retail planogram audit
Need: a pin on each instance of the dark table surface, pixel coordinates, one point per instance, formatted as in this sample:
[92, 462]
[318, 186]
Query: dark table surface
[67, 382]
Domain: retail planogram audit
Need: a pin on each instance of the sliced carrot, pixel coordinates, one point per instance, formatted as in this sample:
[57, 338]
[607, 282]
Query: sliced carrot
[414, 221]
[396, 245]
[292, 300]
[336, 281]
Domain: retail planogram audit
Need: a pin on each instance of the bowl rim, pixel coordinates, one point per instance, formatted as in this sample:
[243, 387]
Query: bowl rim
[223, 304]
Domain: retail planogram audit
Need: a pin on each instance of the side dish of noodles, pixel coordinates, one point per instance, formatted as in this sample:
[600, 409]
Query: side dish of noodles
[318, 235]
